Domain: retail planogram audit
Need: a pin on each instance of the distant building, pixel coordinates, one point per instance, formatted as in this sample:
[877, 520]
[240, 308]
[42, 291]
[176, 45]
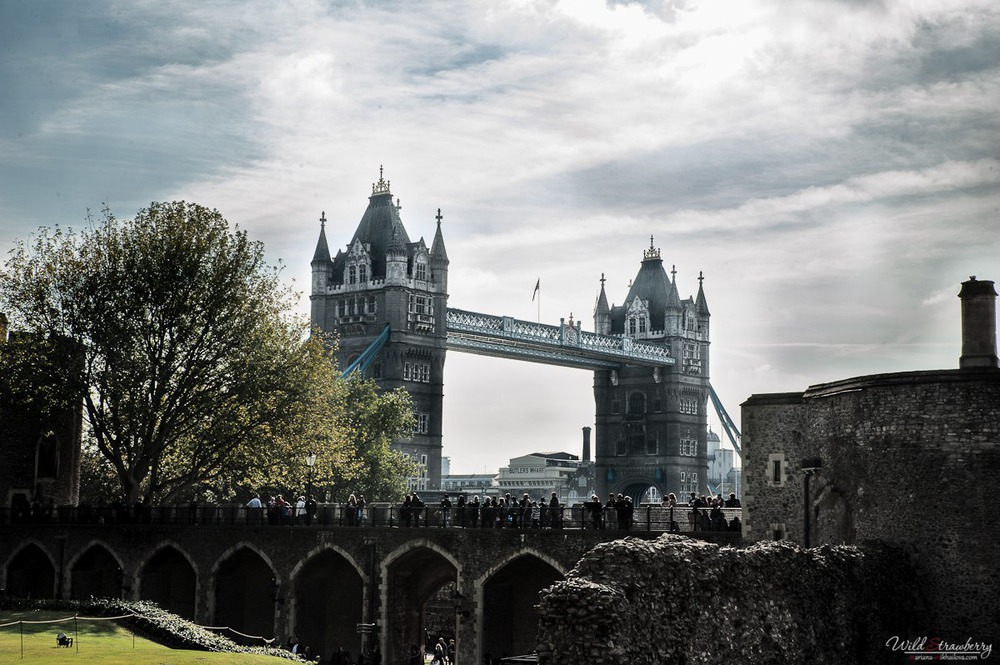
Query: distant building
[723, 473]
[40, 450]
[478, 484]
[539, 474]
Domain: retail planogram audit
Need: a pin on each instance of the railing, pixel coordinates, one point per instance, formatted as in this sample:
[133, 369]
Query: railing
[486, 332]
[650, 518]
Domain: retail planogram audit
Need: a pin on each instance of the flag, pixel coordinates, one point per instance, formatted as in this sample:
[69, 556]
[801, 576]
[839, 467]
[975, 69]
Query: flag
[534, 293]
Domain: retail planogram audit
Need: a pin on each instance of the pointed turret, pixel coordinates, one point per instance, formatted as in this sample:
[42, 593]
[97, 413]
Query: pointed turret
[322, 266]
[439, 256]
[395, 258]
[322, 253]
[602, 313]
[700, 303]
[438, 252]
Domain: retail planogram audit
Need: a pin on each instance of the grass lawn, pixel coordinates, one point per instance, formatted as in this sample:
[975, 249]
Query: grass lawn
[102, 642]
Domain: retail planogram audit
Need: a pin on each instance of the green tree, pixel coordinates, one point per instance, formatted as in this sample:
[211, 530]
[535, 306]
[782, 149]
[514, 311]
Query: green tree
[193, 372]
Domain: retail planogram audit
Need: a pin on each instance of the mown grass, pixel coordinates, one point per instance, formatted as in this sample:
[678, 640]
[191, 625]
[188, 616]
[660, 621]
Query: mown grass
[103, 642]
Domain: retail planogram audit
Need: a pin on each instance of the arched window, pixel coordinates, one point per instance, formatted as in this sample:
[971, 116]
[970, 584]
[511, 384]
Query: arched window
[362, 273]
[636, 403]
[421, 270]
[352, 274]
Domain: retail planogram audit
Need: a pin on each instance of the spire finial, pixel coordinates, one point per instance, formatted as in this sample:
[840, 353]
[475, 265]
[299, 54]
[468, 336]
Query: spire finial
[602, 281]
[701, 278]
[398, 206]
[322, 220]
[438, 217]
[652, 252]
[673, 272]
[382, 186]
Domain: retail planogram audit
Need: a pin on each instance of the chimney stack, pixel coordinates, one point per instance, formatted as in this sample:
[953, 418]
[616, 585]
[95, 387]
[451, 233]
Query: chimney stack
[979, 324]
[586, 444]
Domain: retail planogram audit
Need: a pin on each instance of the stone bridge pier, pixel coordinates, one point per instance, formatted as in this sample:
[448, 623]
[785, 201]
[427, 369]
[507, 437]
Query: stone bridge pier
[317, 583]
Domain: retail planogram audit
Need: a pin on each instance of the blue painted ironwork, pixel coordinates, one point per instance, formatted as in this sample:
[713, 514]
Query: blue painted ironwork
[732, 432]
[565, 344]
[362, 362]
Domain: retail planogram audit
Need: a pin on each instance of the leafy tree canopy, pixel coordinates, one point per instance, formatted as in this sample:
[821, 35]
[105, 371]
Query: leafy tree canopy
[193, 373]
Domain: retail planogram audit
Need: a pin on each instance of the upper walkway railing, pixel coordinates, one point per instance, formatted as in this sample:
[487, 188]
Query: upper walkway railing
[650, 518]
[566, 345]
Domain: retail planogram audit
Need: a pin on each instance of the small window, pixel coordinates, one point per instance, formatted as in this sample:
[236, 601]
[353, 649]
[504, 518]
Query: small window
[777, 469]
[421, 270]
[352, 275]
[362, 274]
[616, 406]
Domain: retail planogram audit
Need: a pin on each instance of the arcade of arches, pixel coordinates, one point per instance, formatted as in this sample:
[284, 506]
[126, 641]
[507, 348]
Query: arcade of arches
[479, 588]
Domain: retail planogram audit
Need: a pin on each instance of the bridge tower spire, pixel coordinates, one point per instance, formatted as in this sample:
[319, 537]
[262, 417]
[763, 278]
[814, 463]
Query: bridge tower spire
[384, 278]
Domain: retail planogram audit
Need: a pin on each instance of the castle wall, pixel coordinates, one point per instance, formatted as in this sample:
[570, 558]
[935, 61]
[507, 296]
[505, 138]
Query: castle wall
[909, 459]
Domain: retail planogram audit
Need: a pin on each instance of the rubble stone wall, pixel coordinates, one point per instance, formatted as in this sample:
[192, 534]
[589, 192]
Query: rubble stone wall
[676, 600]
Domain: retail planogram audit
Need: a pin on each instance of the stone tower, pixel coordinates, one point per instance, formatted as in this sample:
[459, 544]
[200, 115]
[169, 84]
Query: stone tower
[652, 423]
[384, 278]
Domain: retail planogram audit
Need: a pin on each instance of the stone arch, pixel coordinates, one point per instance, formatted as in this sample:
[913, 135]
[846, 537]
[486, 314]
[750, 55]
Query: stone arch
[245, 591]
[30, 572]
[508, 595]
[96, 571]
[411, 575]
[329, 593]
[169, 577]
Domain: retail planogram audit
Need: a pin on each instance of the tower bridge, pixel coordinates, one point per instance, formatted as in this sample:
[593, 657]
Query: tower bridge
[386, 298]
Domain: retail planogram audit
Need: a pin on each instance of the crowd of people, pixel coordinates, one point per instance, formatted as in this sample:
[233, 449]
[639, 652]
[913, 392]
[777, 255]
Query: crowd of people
[490, 512]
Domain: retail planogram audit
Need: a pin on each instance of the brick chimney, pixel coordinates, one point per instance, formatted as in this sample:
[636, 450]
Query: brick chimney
[586, 444]
[979, 324]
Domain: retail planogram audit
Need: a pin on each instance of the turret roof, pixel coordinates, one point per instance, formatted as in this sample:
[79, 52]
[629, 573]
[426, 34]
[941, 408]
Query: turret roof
[651, 285]
[438, 252]
[378, 226]
[322, 252]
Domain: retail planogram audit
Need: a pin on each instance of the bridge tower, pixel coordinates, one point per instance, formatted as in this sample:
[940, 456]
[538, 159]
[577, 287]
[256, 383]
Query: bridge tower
[384, 278]
[652, 422]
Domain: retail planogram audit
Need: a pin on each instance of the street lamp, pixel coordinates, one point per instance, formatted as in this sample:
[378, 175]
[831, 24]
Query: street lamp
[310, 462]
[809, 466]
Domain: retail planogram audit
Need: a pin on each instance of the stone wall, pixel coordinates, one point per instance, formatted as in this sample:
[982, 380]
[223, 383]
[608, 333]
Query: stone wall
[910, 459]
[675, 600]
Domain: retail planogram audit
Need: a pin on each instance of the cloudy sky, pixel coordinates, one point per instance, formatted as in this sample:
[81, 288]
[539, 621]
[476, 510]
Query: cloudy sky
[833, 167]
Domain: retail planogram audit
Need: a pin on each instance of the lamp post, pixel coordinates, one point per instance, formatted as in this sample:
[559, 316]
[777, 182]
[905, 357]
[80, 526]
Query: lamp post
[809, 467]
[310, 462]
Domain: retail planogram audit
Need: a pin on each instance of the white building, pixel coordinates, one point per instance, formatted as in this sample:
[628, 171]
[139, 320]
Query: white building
[539, 475]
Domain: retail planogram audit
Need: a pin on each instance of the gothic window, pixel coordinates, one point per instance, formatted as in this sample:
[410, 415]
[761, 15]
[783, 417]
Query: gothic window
[406, 371]
[688, 405]
[421, 270]
[355, 307]
[642, 326]
[425, 372]
[340, 308]
[420, 426]
[631, 326]
[362, 273]
[371, 305]
[689, 444]
[420, 305]
[352, 274]
[636, 403]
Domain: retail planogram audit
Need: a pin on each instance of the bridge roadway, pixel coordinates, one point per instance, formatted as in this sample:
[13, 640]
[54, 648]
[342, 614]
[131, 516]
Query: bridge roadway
[565, 345]
[315, 582]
